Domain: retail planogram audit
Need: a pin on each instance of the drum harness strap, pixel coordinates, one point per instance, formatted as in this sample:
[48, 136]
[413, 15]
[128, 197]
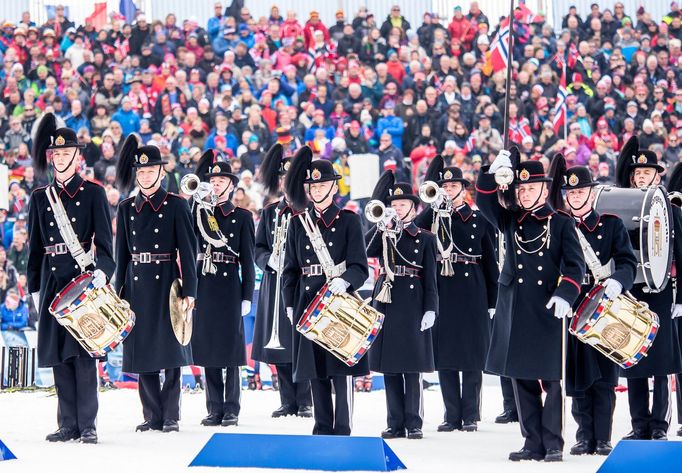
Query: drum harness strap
[82, 257]
[599, 272]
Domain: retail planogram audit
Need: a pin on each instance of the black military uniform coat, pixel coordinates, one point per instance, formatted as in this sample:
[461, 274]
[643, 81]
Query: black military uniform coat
[401, 346]
[342, 231]
[461, 335]
[265, 236]
[526, 337]
[663, 358]
[609, 239]
[218, 334]
[159, 224]
[88, 210]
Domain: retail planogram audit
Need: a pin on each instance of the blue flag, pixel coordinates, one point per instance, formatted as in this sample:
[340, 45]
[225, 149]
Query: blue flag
[128, 10]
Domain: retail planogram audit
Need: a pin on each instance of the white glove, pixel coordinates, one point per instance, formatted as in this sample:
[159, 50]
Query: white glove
[338, 286]
[99, 279]
[561, 307]
[290, 314]
[428, 320]
[677, 311]
[612, 288]
[274, 262]
[491, 313]
[36, 300]
[503, 160]
[246, 308]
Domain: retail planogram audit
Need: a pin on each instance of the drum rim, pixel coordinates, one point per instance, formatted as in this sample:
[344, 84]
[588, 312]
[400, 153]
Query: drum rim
[589, 297]
[65, 290]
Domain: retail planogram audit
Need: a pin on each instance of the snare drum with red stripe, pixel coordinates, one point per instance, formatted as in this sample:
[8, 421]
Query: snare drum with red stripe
[96, 317]
[622, 329]
[343, 324]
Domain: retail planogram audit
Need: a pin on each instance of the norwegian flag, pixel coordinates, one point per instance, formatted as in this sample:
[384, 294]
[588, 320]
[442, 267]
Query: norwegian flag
[122, 47]
[560, 107]
[498, 56]
[470, 145]
[573, 56]
[519, 129]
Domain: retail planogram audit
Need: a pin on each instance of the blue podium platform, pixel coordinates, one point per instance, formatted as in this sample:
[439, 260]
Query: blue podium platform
[630, 456]
[305, 452]
[5, 452]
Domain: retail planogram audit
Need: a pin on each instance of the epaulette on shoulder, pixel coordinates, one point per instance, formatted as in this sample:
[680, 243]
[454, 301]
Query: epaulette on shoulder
[129, 199]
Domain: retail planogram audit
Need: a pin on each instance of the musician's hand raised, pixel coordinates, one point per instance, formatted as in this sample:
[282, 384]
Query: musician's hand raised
[503, 160]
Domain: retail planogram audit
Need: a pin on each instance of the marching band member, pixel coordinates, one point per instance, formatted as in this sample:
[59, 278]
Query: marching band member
[639, 168]
[295, 397]
[539, 282]
[467, 290]
[407, 294]
[153, 229]
[225, 252]
[591, 377]
[51, 267]
[303, 276]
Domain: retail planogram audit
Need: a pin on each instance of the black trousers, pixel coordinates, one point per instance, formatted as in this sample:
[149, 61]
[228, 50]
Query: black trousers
[508, 399]
[540, 424]
[678, 395]
[593, 412]
[160, 403]
[643, 418]
[462, 399]
[332, 418]
[404, 400]
[294, 395]
[223, 395]
[76, 383]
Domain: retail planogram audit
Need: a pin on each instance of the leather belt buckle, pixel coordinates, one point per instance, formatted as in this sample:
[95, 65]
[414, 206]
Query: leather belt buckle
[145, 257]
[60, 249]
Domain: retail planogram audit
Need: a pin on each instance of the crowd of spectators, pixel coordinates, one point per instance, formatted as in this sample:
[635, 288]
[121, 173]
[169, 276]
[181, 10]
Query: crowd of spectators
[371, 82]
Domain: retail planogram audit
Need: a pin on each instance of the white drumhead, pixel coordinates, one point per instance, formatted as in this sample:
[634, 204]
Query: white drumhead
[658, 238]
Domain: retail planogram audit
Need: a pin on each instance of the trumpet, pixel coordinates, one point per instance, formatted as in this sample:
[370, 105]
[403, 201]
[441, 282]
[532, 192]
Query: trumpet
[190, 184]
[432, 194]
[278, 249]
[376, 212]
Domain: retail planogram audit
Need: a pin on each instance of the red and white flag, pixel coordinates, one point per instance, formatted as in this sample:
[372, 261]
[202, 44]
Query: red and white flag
[560, 111]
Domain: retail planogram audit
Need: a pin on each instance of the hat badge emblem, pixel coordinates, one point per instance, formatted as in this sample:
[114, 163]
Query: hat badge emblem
[447, 175]
[286, 165]
[641, 159]
[316, 175]
[398, 191]
[144, 159]
[60, 141]
[573, 180]
[216, 169]
[524, 175]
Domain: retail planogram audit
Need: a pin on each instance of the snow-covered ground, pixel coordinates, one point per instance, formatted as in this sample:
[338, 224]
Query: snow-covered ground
[25, 419]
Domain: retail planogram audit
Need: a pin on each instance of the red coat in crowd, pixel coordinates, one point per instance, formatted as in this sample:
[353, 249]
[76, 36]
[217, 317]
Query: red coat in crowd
[462, 30]
[310, 28]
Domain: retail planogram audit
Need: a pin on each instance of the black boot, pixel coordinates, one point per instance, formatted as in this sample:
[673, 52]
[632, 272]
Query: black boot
[679, 431]
[470, 427]
[229, 420]
[212, 420]
[284, 411]
[583, 447]
[659, 434]
[638, 434]
[525, 454]
[392, 433]
[89, 436]
[305, 411]
[146, 426]
[415, 433]
[171, 426]
[603, 447]
[63, 435]
[507, 417]
[554, 455]
[448, 427]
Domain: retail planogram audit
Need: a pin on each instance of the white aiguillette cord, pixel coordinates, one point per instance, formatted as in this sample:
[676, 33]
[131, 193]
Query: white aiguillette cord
[83, 258]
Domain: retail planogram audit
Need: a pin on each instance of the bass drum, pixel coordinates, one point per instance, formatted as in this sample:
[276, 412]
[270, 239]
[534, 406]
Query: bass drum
[646, 214]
